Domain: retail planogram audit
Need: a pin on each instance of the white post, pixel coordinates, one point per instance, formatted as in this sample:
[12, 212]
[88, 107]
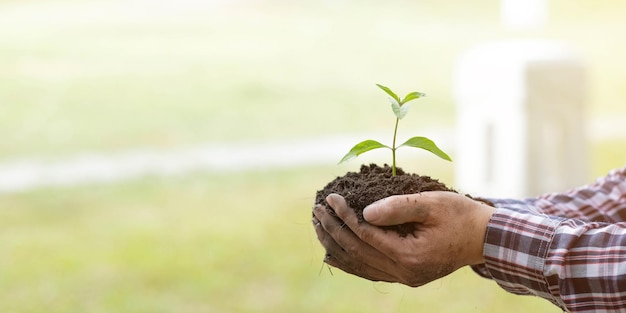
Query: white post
[520, 119]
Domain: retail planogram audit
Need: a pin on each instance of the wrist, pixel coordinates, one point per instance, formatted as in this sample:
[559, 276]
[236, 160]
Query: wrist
[481, 216]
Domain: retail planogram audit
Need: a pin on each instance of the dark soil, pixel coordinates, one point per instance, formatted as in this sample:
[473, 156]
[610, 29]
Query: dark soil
[373, 183]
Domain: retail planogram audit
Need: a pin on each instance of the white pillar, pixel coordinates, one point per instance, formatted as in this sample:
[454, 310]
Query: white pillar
[520, 119]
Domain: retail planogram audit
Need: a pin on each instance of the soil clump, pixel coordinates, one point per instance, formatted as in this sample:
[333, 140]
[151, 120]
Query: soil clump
[373, 183]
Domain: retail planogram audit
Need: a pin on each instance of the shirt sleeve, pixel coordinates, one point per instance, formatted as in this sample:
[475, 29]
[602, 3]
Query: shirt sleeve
[602, 201]
[577, 265]
[522, 234]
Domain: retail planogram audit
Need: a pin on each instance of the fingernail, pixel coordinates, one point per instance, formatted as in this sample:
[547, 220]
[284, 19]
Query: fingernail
[315, 221]
[370, 213]
[331, 199]
[317, 210]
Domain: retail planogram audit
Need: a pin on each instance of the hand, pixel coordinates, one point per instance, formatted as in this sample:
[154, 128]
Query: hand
[449, 235]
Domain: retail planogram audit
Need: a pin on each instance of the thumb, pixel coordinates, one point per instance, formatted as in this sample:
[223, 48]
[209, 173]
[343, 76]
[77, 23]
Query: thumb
[396, 210]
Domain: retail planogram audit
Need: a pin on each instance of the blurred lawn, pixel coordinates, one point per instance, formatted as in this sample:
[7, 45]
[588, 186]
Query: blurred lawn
[108, 75]
[205, 243]
[239, 242]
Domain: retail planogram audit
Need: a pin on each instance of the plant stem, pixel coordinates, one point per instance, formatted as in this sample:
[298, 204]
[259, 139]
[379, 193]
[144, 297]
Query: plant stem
[393, 149]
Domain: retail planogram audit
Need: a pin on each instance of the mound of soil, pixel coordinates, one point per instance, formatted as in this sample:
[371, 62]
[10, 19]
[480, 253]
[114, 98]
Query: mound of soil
[373, 183]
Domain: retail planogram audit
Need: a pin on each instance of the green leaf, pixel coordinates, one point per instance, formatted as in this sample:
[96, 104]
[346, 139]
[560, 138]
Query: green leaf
[412, 96]
[390, 93]
[426, 144]
[400, 111]
[362, 147]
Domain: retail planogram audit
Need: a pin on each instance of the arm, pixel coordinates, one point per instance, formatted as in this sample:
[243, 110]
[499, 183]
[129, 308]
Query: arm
[578, 266]
[602, 201]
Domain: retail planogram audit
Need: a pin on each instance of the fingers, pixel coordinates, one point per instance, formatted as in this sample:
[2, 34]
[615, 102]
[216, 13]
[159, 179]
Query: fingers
[374, 236]
[347, 252]
[396, 210]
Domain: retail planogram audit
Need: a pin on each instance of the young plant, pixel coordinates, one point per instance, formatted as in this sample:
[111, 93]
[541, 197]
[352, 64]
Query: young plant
[400, 109]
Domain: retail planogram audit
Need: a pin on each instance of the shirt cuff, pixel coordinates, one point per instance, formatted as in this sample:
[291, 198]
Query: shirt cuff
[516, 245]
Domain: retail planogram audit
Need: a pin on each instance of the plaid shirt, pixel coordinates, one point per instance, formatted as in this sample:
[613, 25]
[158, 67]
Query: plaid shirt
[568, 248]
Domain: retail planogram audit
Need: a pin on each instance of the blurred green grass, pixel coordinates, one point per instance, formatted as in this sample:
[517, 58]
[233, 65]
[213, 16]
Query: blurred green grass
[204, 243]
[109, 75]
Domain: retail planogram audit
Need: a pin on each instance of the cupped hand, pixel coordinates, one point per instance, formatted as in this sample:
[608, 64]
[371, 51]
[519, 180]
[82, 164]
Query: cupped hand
[450, 231]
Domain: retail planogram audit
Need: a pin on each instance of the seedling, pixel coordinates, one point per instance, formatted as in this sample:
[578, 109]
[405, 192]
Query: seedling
[400, 109]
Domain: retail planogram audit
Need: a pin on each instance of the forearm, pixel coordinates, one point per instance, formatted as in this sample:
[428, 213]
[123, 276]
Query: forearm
[578, 266]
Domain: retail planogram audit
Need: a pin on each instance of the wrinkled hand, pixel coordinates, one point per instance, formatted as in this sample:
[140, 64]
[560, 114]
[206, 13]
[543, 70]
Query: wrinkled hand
[449, 235]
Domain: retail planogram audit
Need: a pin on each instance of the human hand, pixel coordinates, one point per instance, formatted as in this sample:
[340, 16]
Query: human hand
[449, 235]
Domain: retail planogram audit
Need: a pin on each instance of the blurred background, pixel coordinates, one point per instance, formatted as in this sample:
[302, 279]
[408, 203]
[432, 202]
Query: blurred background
[163, 156]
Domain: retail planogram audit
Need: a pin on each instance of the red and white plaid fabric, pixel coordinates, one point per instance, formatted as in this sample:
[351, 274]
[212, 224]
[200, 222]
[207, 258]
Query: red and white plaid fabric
[568, 248]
